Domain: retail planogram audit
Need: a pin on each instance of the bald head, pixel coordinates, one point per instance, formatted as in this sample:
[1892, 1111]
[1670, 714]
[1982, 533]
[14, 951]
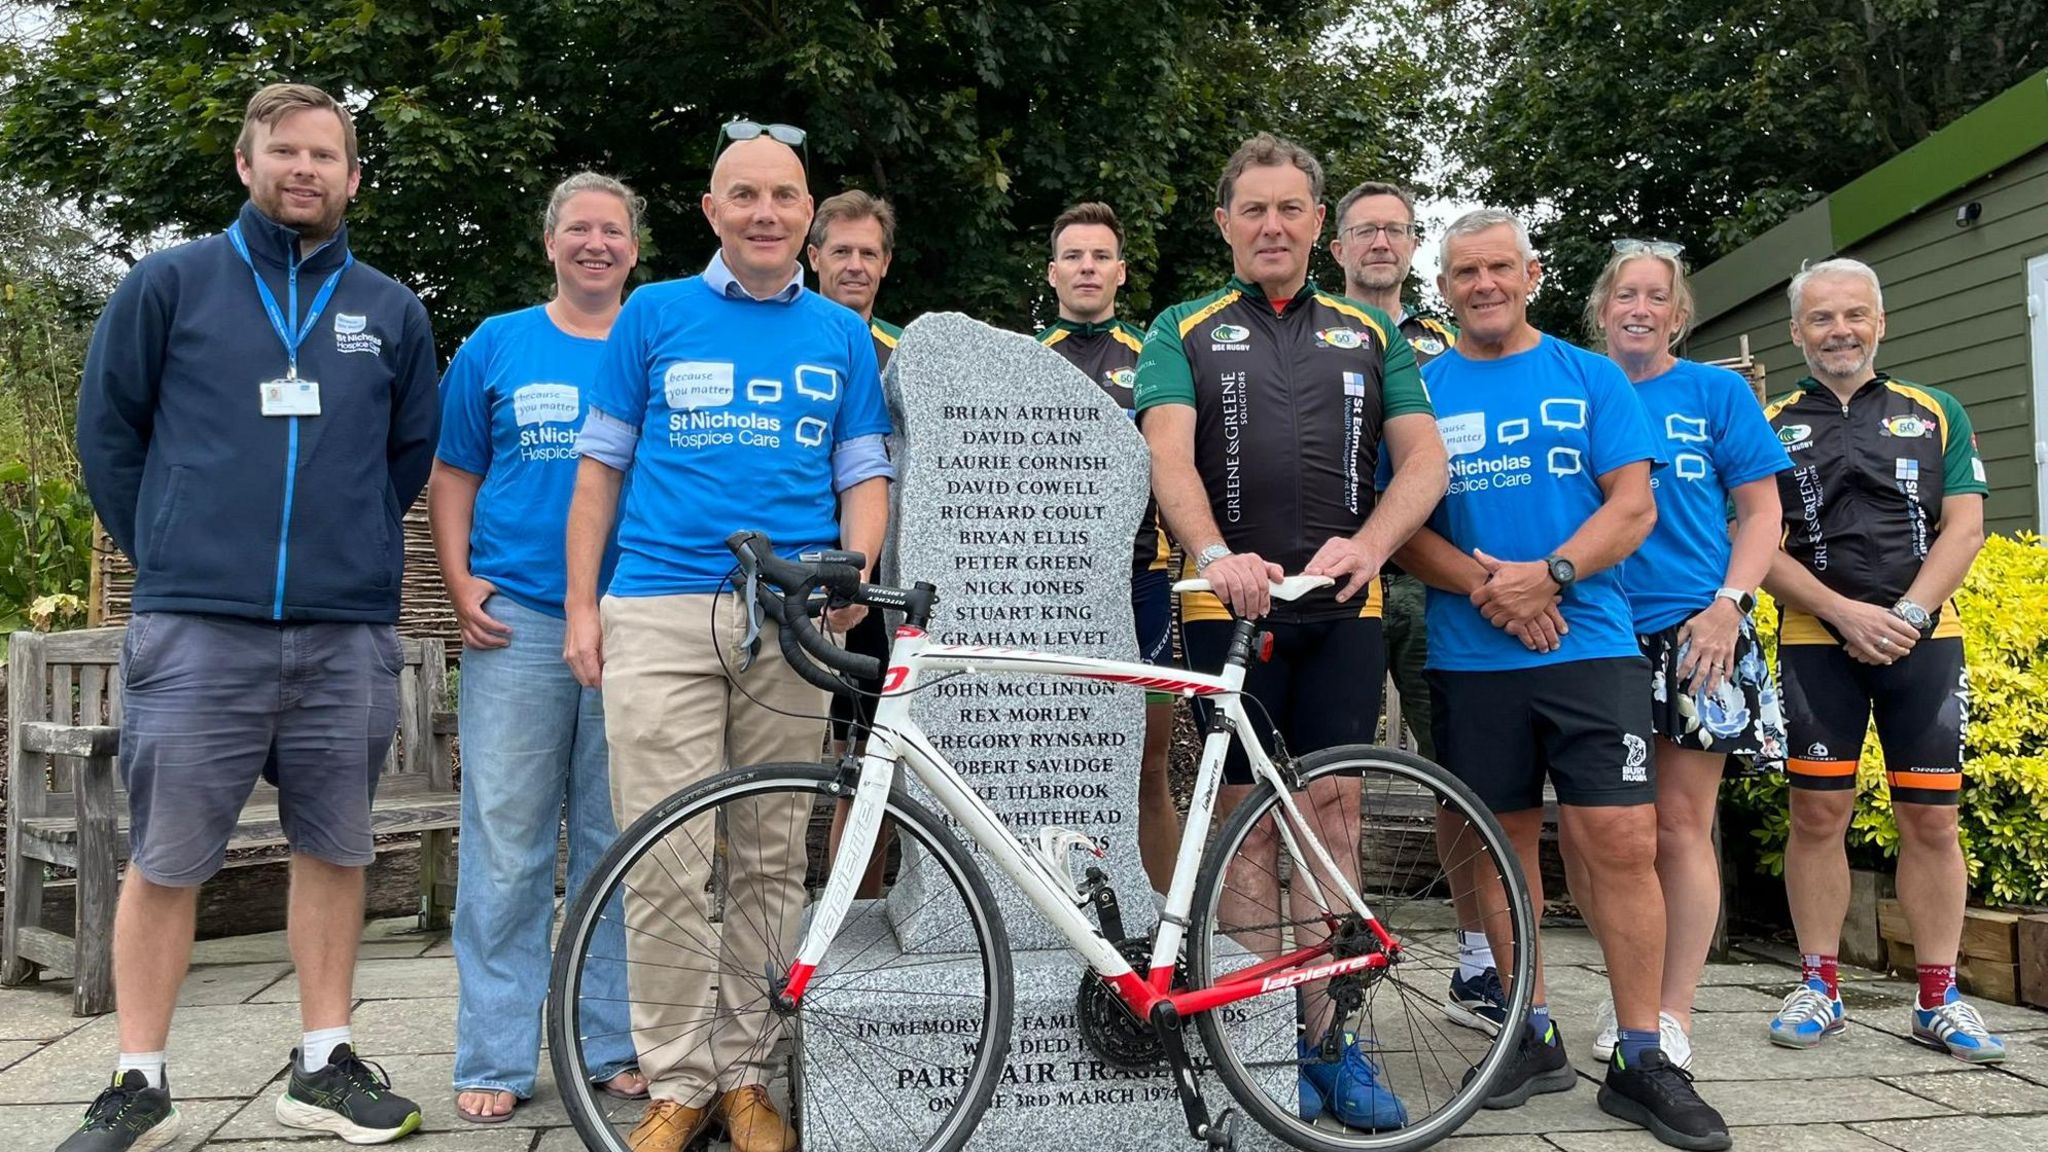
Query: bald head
[761, 210]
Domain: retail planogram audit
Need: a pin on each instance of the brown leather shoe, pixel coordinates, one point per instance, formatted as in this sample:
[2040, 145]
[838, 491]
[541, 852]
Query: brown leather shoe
[667, 1127]
[752, 1122]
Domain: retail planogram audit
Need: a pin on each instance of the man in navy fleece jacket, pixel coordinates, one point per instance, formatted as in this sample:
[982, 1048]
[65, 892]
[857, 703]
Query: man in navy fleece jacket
[258, 410]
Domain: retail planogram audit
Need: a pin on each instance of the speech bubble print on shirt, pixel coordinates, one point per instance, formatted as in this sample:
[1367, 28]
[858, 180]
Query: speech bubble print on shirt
[1689, 466]
[816, 382]
[1564, 413]
[1690, 429]
[810, 431]
[1464, 433]
[1511, 431]
[1565, 461]
[546, 404]
[697, 384]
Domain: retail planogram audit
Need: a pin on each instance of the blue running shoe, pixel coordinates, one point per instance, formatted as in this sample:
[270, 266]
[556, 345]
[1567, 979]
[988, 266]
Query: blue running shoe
[1351, 1088]
[1809, 1016]
[1312, 1102]
[1480, 1003]
[1956, 1029]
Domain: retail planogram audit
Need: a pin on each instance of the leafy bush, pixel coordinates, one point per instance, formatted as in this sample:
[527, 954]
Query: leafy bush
[45, 552]
[2004, 607]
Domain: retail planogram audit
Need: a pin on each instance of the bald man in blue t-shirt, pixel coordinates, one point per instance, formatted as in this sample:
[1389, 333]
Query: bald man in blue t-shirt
[735, 399]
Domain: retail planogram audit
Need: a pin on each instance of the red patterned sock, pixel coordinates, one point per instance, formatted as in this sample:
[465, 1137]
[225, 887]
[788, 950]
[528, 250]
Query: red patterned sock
[1814, 966]
[1935, 981]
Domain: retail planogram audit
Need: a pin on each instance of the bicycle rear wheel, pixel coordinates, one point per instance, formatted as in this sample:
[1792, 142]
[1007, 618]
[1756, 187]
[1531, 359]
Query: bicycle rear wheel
[1378, 813]
[682, 940]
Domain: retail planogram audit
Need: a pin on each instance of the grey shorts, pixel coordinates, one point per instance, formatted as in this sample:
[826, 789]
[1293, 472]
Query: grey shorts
[212, 703]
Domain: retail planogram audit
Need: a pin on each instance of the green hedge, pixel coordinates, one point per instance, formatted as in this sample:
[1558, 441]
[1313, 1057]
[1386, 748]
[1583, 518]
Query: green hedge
[2004, 606]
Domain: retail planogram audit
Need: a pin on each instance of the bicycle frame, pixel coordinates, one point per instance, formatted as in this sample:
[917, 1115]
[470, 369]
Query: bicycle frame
[896, 735]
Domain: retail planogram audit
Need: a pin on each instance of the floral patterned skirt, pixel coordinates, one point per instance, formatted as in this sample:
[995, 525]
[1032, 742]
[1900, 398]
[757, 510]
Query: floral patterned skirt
[1741, 719]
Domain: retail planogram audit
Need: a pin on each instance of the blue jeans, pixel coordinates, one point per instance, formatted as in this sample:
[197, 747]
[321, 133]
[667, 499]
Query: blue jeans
[532, 739]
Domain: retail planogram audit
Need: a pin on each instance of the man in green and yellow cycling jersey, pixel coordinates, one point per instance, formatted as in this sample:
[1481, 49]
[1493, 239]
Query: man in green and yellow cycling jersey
[1266, 404]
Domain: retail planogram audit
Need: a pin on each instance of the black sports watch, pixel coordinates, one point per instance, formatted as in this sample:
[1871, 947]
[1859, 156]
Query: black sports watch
[1562, 572]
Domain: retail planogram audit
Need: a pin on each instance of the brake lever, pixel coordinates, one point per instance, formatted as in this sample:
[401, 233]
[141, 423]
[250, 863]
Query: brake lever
[750, 645]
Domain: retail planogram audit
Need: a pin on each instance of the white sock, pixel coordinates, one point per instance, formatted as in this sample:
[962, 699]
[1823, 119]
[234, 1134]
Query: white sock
[1475, 955]
[315, 1047]
[150, 1064]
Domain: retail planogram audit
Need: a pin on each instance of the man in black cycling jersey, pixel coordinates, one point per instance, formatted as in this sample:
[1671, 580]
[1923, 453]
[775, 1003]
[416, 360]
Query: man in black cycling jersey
[1884, 513]
[1265, 405]
[1086, 269]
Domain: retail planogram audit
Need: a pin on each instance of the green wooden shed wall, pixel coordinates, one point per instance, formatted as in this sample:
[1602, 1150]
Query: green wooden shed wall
[1956, 296]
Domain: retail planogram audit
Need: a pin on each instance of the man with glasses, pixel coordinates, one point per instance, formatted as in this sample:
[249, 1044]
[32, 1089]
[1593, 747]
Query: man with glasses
[1266, 405]
[1375, 245]
[1086, 269]
[735, 399]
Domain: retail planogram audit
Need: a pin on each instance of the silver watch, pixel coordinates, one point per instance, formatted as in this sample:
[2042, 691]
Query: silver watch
[1914, 615]
[1210, 555]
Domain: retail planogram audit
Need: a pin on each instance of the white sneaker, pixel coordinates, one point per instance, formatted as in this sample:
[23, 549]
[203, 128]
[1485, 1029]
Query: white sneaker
[1671, 1037]
[1607, 1031]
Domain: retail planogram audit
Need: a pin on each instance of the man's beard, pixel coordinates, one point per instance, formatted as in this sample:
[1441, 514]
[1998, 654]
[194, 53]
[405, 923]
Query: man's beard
[318, 227]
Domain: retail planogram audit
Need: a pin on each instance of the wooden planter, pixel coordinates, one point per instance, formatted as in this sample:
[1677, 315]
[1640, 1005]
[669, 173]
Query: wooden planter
[1988, 965]
[2033, 939]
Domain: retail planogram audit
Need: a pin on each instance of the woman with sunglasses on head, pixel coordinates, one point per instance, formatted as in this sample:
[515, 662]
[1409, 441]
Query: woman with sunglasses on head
[1692, 591]
[533, 739]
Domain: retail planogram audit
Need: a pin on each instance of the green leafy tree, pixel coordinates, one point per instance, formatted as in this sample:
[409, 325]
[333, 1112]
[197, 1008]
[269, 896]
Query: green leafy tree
[980, 120]
[1706, 121]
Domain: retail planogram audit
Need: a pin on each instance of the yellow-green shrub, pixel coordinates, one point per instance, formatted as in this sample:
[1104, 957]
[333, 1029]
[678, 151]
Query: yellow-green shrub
[2004, 814]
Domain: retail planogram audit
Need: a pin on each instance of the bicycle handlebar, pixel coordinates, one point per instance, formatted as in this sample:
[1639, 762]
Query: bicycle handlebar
[784, 588]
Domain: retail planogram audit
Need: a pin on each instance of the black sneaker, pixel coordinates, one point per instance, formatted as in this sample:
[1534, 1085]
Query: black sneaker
[1538, 1066]
[1658, 1095]
[129, 1116]
[349, 1098]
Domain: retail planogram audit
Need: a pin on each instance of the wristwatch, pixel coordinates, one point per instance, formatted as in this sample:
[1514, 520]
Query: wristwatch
[1562, 572]
[1915, 615]
[1210, 555]
[1745, 602]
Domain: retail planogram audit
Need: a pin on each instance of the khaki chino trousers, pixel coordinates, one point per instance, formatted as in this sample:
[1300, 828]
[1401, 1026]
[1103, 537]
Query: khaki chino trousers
[674, 715]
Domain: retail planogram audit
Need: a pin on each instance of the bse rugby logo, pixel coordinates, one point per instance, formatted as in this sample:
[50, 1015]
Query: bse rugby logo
[1795, 435]
[1341, 338]
[1229, 333]
[1907, 427]
[1636, 768]
[1428, 345]
[1124, 378]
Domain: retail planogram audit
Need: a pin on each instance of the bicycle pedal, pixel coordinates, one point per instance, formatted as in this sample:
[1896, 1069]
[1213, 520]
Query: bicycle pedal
[1222, 1131]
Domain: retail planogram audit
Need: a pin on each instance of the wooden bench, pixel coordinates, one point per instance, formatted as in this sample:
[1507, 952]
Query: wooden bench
[66, 806]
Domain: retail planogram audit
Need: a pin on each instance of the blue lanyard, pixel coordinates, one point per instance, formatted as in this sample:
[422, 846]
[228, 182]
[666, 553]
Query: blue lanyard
[280, 320]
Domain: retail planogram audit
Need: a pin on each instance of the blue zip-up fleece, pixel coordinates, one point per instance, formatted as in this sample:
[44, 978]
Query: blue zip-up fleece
[223, 509]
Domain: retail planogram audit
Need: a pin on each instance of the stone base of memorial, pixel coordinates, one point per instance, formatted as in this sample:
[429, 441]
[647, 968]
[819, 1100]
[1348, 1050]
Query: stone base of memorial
[1055, 1093]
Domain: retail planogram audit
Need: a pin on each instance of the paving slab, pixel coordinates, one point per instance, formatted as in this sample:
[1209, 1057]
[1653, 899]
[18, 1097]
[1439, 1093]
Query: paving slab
[38, 1126]
[426, 1079]
[1735, 998]
[393, 938]
[1979, 1091]
[1476, 1144]
[1570, 946]
[1573, 1111]
[1947, 1134]
[38, 1012]
[13, 1052]
[406, 1027]
[406, 979]
[2026, 1055]
[473, 1140]
[1888, 1007]
[228, 983]
[216, 1051]
[1788, 1137]
[1840, 1100]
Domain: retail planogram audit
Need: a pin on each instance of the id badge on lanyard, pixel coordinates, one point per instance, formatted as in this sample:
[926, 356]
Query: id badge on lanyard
[290, 394]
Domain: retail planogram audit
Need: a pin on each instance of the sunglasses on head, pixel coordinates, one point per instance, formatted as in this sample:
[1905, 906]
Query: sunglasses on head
[737, 130]
[1670, 250]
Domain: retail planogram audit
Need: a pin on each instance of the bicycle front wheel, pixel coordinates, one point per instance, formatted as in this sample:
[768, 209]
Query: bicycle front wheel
[677, 949]
[1377, 1057]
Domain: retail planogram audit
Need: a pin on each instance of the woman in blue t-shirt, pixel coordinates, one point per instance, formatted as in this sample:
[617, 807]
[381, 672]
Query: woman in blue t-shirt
[532, 738]
[1692, 594]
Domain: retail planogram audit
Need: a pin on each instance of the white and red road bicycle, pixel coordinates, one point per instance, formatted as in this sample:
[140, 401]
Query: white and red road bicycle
[1314, 920]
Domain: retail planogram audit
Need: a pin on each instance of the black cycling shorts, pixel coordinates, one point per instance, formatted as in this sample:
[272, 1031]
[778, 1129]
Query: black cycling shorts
[1586, 723]
[1321, 687]
[1921, 703]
